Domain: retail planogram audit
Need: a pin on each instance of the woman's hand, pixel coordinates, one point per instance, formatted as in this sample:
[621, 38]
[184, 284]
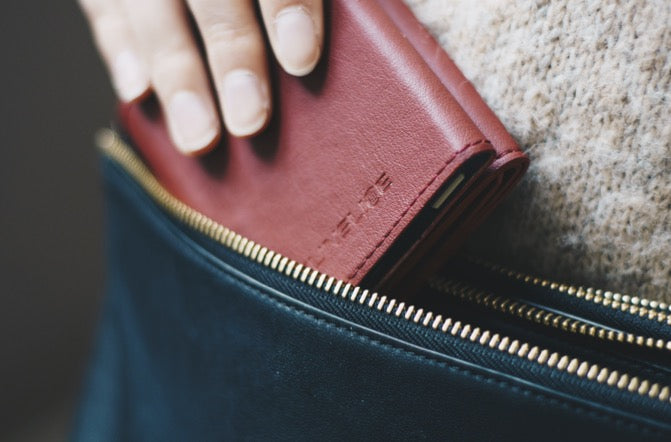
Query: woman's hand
[149, 44]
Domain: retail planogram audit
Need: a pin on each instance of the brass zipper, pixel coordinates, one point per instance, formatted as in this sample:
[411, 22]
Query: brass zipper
[542, 316]
[634, 305]
[114, 148]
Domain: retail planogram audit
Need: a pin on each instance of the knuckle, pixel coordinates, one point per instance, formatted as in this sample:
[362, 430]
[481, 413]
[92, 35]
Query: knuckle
[277, 5]
[173, 65]
[232, 23]
[227, 31]
[169, 47]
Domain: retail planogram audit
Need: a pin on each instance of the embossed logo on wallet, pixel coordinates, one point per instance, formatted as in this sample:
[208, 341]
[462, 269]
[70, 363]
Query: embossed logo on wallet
[371, 198]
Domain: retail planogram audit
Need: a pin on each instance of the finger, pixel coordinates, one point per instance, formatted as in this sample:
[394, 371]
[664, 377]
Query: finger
[177, 72]
[117, 47]
[236, 54]
[296, 32]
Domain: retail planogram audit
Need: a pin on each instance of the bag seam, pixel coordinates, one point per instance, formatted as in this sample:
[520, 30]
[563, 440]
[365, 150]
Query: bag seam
[440, 363]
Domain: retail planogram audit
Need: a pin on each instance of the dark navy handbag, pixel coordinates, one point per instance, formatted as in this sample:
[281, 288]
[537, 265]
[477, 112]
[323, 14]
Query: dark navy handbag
[208, 336]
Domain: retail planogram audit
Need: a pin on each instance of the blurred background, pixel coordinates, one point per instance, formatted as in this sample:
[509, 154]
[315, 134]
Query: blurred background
[51, 263]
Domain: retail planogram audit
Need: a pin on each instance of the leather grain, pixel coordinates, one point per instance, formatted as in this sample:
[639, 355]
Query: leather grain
[352, 155]
[492, 186]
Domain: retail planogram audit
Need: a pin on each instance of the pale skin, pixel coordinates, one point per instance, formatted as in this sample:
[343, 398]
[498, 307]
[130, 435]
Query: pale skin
[149, 46]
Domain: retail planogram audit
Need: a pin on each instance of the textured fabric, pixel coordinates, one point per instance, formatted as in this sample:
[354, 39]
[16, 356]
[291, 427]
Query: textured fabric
[585, 89]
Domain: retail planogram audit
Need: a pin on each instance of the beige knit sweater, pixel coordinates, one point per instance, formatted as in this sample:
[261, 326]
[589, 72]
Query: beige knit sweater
[585, 87]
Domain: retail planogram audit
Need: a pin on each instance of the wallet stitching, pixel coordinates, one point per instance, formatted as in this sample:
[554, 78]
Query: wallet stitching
[505, 152]
[441, 363]
[358, 268]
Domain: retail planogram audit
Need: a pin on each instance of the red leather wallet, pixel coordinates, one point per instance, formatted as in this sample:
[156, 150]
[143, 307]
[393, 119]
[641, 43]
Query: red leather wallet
[491, 187]
[368, 162]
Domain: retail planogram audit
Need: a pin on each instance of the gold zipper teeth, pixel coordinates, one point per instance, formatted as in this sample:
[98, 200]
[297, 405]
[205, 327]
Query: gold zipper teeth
[542, 316]
[634, 305]
[116, 149]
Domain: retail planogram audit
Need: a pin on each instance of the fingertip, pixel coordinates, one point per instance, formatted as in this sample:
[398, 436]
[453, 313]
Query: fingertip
[251, 130]
[245, 102]
[298, 43]
[198, 146]
[199, 151]
[130, 76]
[194, 127]
[135, 97]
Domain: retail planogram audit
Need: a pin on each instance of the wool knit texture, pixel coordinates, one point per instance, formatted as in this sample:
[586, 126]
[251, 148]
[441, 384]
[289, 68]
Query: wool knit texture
[584, 87]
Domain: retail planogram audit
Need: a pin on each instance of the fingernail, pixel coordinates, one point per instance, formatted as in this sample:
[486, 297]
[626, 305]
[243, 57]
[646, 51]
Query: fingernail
[245, 101]
[297, 46]
[130, 76]
[193, 124]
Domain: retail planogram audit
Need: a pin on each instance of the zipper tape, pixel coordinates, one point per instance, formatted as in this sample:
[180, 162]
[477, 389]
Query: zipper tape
[116, 149]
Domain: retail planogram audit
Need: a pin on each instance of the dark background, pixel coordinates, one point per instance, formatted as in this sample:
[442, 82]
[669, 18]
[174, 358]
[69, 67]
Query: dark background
[56, 95]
